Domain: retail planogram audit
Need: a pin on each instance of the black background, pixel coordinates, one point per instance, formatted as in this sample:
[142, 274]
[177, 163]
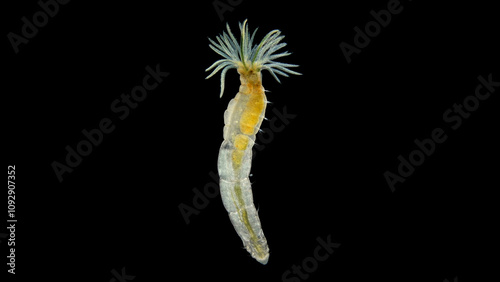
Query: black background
[322, 175]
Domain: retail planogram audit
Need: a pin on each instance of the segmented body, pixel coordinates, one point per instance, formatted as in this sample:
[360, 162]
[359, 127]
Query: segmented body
[242, 119]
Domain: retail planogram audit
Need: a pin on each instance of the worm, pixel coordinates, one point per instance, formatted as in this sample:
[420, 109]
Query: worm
[242, 121]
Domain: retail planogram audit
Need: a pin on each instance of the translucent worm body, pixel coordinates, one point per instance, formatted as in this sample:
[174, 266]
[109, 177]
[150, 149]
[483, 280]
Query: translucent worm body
[242, 120]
